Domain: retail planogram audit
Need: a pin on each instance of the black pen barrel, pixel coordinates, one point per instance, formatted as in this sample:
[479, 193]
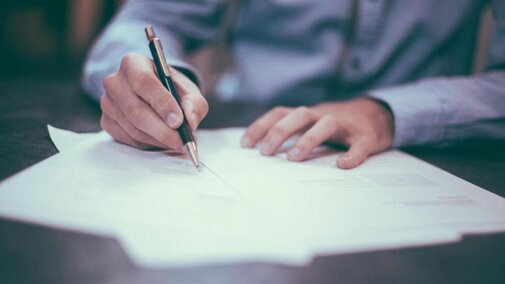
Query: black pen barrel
[184, 130]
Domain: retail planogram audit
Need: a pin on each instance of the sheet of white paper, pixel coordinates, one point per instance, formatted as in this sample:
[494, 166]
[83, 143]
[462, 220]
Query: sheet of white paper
[104, 187]
[242, 206]
[65, 139]
[393, 189]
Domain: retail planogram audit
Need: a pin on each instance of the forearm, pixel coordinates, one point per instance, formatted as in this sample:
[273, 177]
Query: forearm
[447, 109]
[180, 26]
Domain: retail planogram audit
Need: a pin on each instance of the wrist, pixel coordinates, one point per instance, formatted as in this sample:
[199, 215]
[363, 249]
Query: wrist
[382, 117]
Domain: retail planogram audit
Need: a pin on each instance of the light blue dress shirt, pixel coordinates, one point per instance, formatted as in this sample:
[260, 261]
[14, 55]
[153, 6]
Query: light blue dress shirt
[414, 55]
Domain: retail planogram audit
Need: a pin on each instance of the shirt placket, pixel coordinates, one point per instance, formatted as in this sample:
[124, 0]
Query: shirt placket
[363, 32]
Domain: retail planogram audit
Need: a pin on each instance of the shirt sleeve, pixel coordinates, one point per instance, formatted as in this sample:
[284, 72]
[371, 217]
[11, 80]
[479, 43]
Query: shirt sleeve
[439, 110]
[182, 26]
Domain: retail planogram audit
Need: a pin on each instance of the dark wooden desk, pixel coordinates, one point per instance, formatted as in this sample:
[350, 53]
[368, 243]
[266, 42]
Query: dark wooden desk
[34, 254]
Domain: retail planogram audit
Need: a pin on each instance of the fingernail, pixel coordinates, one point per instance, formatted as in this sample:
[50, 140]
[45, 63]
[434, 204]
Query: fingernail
[294, 153]
[245, 142]
[342, 161]
[173, 120]
[264, 148]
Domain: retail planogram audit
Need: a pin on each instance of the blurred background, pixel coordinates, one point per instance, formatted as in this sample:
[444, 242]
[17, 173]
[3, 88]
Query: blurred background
[50, 38]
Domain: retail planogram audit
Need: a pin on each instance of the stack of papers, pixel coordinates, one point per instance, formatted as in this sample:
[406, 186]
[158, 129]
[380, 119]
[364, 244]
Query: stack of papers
[241, 206]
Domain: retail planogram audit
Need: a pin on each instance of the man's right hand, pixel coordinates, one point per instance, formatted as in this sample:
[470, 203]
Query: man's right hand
[137, 109]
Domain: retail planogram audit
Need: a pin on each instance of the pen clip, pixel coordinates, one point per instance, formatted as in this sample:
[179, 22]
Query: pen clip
[158, 50]
[163, 62]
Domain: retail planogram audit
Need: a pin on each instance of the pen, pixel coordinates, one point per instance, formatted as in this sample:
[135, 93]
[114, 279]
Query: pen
[165, 76]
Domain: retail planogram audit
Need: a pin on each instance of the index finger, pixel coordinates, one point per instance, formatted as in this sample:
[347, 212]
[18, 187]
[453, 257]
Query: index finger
[259, 128]
[140, 74]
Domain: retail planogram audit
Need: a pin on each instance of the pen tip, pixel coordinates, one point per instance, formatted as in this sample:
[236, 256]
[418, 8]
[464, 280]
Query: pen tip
[193, 153]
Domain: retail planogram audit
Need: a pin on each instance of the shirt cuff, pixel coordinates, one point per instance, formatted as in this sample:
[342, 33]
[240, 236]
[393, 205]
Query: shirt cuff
[106, 55]
[189, 71]
[417, 112]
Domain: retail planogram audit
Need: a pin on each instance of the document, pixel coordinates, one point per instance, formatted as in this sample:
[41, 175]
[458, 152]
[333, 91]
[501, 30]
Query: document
[241, 206]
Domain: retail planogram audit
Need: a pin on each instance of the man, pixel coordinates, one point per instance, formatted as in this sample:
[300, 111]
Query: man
[368, 74]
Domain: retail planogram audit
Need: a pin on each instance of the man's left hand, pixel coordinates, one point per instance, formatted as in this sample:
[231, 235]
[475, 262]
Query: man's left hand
[364, 125]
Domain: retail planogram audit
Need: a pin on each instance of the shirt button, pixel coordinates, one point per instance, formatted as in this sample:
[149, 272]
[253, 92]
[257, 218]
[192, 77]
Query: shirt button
[355, 63]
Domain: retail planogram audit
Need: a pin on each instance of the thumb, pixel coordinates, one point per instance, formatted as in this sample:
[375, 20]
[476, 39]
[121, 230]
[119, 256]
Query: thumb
[358, 152]
[193, 103]
[195, 109]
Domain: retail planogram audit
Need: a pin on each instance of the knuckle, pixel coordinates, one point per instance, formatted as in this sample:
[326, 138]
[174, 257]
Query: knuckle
[279, 110]
[308, 140]
[103, 103]
[204, 106]
[127, 60]
[135, 114]
[330, 120]
[140, 80]
[182, 80]
[351, 121]
[109, 83]
[278, 131]
[104, 123]
[303, 112]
